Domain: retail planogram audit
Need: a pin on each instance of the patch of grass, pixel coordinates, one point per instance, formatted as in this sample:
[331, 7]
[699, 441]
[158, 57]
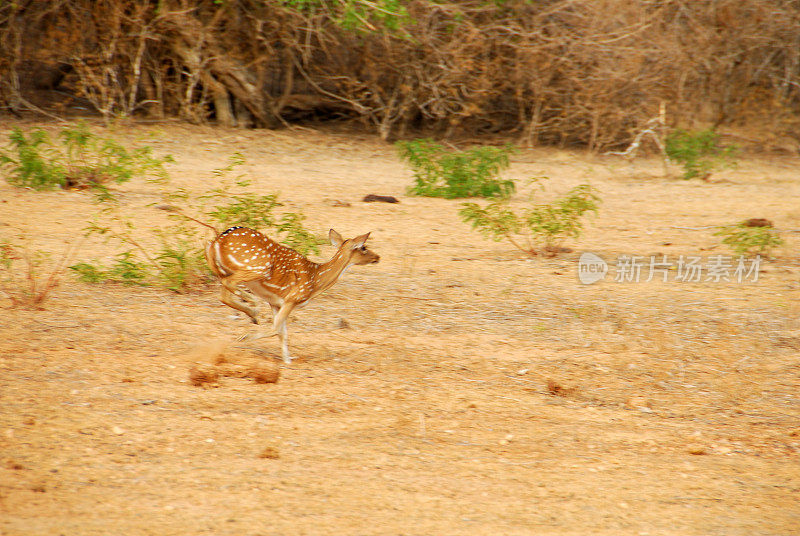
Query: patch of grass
[78, 159]
[456, 174]
[746, 240]
[126, 269]
[546, 225]
[699, 152]
[89, 273]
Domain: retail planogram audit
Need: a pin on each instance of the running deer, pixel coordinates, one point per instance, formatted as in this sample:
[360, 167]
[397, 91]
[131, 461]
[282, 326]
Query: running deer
[243, 257]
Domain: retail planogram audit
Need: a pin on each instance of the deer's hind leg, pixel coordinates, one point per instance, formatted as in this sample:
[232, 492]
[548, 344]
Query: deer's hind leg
[239, 299]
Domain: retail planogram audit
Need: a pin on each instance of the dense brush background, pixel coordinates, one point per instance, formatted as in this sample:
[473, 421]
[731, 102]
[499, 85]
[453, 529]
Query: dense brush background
[588, 73]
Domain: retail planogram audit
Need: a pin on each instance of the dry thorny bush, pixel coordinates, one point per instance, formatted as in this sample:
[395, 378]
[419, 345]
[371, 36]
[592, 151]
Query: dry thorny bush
[27, 277]
[582, 72]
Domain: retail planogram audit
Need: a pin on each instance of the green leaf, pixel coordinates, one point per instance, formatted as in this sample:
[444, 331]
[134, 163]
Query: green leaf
[471, 173]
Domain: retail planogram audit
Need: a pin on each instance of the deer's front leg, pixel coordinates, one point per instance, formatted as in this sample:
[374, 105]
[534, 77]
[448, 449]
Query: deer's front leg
[279, 324]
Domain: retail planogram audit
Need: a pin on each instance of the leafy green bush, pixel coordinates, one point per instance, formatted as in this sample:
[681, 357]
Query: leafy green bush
[230, 205]
[698, 151]
[470, 173]
[128, 269]
[246, 209]
[80, 160]
[37, 164]
[297, 237]
[746, 240]
[178, 265]
[257, 212]
[546, 224]
[178, 261]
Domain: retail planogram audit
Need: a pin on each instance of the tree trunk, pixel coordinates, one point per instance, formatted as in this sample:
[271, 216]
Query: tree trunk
[223, 76]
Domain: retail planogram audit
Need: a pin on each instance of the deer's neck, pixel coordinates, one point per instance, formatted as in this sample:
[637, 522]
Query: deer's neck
[329, 272]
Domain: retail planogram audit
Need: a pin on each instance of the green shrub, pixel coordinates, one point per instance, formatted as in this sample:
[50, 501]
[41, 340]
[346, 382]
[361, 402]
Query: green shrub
[36, 164]
[470, 173]
[297, 237]
[699, 152]
[257, 212]
[179, 265]
[7, 255]
[230, 205]
[746, 240]
[178, 261]
[544, 225]
[562, 219]
[80, 160]
[247, 209]
[128, 269]
[93, 160]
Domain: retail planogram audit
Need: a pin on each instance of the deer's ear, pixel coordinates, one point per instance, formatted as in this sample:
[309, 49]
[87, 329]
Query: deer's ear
[335, 238]
[360, 240]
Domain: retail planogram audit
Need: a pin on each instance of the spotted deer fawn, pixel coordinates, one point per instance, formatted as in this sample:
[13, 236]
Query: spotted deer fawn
[243, 257]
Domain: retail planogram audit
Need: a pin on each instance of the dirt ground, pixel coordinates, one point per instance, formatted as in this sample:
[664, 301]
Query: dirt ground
[454, 388]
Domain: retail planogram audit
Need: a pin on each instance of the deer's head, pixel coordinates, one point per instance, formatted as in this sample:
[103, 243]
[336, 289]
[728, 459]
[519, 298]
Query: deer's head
[354, 249]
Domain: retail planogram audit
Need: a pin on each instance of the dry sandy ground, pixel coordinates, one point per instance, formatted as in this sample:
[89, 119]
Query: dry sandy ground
[475, 391]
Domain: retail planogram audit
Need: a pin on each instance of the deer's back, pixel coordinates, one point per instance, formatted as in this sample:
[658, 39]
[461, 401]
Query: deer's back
[242, 248]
